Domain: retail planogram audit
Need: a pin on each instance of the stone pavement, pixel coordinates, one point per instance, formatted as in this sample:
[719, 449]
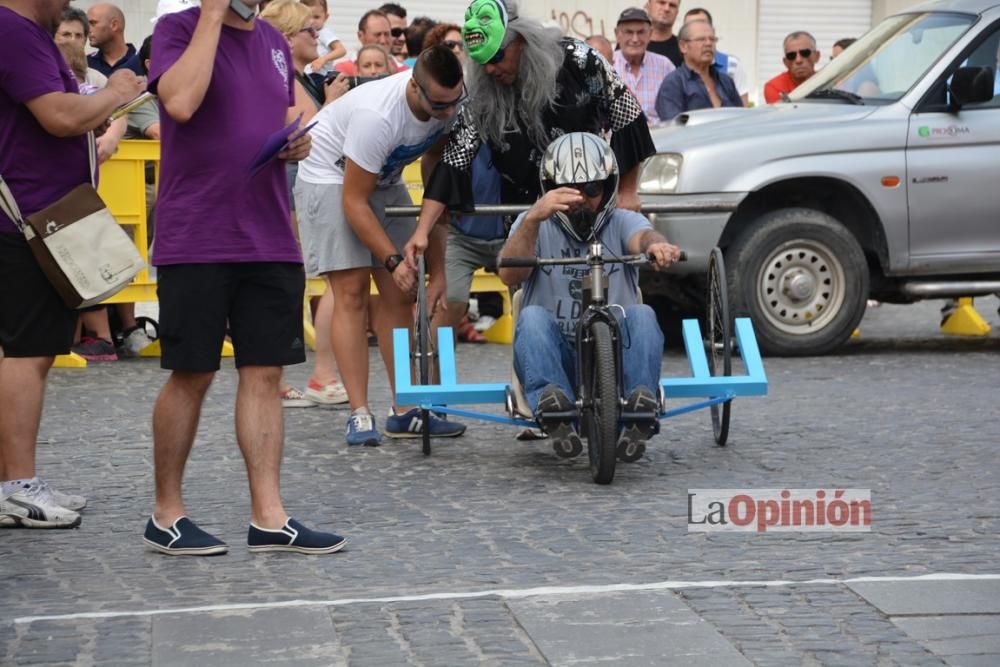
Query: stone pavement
[493, 551]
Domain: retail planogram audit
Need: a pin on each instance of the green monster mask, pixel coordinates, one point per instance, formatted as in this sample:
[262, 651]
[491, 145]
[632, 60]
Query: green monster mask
[484, 29]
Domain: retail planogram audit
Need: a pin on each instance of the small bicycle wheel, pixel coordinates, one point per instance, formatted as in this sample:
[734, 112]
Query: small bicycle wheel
[422, 344]
[603, 396]
[719, 341]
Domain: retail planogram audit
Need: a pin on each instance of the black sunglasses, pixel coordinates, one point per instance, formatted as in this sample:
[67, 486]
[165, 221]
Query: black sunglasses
[397, 32]
[805, 53]
[497, 57]
[452, 44]
[590, 189]
[442, 106]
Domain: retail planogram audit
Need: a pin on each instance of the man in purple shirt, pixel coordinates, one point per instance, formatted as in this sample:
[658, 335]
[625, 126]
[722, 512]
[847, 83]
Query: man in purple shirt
[226, 255]
[43, 156]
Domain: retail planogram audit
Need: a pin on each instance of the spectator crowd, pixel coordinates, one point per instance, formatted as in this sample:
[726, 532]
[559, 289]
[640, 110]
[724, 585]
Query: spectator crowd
[477, 96]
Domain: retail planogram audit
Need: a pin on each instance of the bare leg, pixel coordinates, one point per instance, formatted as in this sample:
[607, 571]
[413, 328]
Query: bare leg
[395, 312]
[97, 321]
[350, 347]
[22, 395]
[260, 431]
[325, 370]
[175, 423]
[126, 313]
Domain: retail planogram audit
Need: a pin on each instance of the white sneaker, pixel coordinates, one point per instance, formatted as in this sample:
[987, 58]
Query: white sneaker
[134, 343]
[32, 506]
[330, 394]
[70, 501]
[293, 398]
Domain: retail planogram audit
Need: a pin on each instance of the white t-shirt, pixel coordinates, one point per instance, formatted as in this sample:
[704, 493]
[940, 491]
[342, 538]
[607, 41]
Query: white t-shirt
[374, 127]
[326, 37]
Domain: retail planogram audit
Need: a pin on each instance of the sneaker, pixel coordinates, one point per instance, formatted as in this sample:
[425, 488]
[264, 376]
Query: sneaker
[134, 342]
[557, 416]
[183, 538]
[410, 424]
[96, 349]
[68, 500]
[293, 536]
[293, 398]
[640, 423]
[32, 506]
[361, 430]
[326, 394]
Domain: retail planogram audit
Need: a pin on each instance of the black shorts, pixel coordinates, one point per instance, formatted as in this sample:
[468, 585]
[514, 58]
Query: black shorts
[260, 301]
[34, 321]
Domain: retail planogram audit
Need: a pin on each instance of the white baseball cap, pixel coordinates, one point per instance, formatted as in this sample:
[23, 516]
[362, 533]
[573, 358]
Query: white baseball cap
[164, 7]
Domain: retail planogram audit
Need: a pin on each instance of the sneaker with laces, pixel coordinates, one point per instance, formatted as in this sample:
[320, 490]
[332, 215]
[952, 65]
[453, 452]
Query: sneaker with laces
[326, 394]
[183, 538]
[557, 416]
[70, 501]
[134, 342]
[640, 423]
[32, 506]
[293, 536]
[96, 349]
[293, 398]
[361, 430]
[410, 425]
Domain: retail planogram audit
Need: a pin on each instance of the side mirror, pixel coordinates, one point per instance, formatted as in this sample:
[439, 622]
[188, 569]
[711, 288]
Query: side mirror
[971, 85]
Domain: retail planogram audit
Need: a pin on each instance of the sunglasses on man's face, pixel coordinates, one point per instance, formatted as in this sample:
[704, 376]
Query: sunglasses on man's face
[805, 53]
[442, 106]
[397, 32]
[497, 57]
[452, 44]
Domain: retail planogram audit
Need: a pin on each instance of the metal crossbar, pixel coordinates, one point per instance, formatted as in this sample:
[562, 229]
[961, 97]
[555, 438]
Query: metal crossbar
[515, 209]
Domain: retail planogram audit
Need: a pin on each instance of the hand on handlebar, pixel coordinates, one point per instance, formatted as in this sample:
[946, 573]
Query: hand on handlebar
[662, 255]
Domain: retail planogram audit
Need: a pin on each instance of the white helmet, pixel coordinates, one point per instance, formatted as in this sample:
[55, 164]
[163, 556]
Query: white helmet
[581, 158]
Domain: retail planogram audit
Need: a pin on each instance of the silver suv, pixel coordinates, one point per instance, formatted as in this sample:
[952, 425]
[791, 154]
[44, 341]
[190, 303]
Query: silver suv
[878, 177]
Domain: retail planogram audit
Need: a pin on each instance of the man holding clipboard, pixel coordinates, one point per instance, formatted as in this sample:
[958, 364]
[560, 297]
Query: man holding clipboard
[225, 252]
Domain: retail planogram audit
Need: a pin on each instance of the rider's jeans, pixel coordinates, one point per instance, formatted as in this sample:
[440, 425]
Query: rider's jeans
[543, 356]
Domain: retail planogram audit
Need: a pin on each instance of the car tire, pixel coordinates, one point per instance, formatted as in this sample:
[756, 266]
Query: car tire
[801, 277]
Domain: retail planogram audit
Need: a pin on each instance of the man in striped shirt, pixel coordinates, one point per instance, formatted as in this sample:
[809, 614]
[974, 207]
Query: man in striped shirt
[642, 70]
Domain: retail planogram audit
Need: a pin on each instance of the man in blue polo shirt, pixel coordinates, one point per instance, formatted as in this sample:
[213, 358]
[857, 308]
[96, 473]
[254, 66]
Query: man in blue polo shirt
[107, 33]
[698, 83]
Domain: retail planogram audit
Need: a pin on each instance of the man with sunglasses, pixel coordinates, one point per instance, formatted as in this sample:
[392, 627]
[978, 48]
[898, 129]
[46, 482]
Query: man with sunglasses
[801, 56]
[360, 146]
[397, 30]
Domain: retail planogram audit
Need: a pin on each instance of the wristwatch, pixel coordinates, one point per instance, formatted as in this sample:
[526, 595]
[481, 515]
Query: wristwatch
[392, 261]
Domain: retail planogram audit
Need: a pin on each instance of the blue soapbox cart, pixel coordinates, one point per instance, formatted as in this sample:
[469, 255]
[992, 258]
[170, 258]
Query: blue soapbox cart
[599, 404]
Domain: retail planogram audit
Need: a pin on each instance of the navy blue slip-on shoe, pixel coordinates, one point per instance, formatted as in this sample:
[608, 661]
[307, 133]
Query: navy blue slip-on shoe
[183, 538]
[293, 536]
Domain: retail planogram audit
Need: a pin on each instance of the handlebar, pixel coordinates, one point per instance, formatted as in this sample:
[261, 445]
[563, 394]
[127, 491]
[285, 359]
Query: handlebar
[532, 262]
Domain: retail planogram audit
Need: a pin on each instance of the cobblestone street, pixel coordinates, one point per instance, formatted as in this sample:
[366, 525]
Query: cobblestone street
[495, 551]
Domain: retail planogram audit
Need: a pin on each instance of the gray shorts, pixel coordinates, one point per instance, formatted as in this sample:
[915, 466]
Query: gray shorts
[328, 240]
[465, 255]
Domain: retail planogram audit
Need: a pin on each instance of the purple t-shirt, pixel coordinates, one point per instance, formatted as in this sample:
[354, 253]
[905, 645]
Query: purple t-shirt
[39, 168]
[209, 208]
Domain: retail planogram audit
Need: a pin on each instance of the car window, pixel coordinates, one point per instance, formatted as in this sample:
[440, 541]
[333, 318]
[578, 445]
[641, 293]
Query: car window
[986, 54]
[890, 59]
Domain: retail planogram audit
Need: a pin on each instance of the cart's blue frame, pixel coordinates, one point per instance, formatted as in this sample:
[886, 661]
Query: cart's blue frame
[713, 390]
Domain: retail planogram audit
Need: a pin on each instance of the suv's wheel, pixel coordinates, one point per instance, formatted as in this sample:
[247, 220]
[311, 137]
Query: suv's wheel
[801, 277]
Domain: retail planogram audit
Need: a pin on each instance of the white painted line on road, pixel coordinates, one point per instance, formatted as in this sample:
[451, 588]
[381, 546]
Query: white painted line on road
[509, 594]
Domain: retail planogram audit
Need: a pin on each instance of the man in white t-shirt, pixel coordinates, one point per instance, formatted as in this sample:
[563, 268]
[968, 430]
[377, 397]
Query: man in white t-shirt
[360, 146]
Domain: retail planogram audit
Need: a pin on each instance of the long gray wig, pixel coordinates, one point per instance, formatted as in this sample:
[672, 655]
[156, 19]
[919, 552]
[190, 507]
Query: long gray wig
[495, 106]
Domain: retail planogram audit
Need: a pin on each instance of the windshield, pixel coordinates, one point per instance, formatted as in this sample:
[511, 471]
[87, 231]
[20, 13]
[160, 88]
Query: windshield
[888, 60]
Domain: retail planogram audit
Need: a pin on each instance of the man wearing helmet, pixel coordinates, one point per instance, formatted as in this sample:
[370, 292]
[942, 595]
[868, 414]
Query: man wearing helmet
[529, 85]
[579, 178]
